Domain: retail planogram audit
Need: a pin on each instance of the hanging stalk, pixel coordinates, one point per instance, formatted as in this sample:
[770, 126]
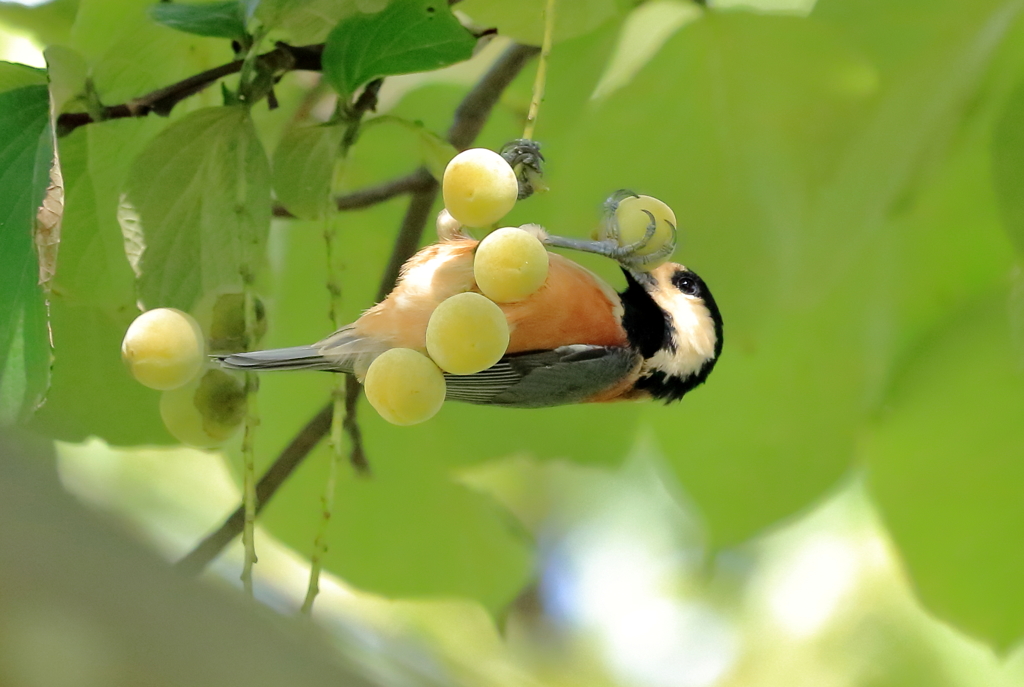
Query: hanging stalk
[540, 79]
[252, 420]
[344, 410]
[337, 425]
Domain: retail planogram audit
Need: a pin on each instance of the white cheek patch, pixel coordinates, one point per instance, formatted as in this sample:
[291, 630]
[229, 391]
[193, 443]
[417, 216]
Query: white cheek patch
[694, 333]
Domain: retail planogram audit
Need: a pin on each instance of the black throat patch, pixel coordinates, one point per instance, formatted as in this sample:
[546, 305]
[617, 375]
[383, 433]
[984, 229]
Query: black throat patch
[645, 322]
[649, 329]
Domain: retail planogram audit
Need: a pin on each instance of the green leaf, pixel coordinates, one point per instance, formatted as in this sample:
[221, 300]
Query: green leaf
[68, 74]
[407, 36]
[214, 19]
[434, 151]
[303, 21]
[303, 164]
[1008, 166]
[202, 192]
[945, 468]
[14, 75]
[92, 301]
[26, 153]
[128, 53]
[813, 194]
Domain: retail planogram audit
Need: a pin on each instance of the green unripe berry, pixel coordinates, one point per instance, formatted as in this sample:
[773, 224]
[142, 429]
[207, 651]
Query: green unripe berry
[404, 386]
[633, 221]
[227, 323]
[163, 348]
[467, 333]
[207, 411]
[510, 264]
[479, 187]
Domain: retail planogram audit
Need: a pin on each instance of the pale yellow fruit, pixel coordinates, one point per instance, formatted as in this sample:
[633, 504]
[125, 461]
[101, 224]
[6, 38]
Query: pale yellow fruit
[404, 386]
[467, 333]
[510, 264]
[163, 348]
[633, 221]
[207, 411]
[479, 187]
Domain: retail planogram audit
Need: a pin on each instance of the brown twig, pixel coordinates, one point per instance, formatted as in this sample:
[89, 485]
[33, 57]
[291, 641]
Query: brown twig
[283, 58]
[469, 119]
[374, 195]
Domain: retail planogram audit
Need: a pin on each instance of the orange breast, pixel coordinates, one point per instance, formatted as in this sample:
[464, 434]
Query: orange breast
[574, 306]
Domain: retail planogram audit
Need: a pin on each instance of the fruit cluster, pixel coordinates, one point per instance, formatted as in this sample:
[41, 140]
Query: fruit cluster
[165, 349]
[468, 332]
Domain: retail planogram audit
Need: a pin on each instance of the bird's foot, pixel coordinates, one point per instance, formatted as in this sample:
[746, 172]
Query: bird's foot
[609, 241]
[526, 160]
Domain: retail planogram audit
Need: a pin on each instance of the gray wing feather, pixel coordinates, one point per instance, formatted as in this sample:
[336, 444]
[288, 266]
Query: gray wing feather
[295, 358]
[568, 374]
[343, 351]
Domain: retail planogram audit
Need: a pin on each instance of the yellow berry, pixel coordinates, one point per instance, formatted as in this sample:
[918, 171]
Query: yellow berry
[479, 187]
[205, 412]
[510, 264]
[404, 386]
[163, 348]
[467, 333]
[633, 221]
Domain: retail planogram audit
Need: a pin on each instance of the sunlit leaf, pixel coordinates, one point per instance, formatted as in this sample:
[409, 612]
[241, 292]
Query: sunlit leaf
[304, 21]
[128, 52]
[407, 36]
[202, 192]
[50, 22]
[303, 169]
[945, 467]
[786, 153]
[13, 75]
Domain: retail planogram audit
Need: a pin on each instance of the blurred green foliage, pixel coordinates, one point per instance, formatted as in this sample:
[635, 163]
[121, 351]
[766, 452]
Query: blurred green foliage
[848, 181]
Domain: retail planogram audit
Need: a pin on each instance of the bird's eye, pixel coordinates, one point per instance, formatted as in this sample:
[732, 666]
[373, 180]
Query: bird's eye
[685, 284]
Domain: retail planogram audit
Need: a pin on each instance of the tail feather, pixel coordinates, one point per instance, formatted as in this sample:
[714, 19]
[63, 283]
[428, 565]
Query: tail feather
[295, 358]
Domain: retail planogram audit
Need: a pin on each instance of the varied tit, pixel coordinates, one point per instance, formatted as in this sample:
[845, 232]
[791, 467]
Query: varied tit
[575, 340]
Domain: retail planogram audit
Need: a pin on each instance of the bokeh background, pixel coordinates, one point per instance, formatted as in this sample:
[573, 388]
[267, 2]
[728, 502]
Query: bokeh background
[841, 504]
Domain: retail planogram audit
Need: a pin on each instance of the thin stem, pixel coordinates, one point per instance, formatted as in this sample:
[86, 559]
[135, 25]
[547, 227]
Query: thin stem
[327, 499]
[245, 77]
[249, 447]
[542, 69]
[374, 195]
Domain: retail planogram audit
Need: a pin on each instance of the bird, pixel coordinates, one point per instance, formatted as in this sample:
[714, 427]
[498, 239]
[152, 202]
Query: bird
[575, 340]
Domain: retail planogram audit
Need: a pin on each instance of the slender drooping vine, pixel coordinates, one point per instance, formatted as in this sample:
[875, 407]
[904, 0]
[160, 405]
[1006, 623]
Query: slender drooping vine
[540, 79]
[343, 412]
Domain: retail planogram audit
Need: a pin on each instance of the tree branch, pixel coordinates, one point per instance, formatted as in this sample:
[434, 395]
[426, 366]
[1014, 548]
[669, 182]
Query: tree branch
[293, 454]
[469, 119]
[374, 195]
[283, 58]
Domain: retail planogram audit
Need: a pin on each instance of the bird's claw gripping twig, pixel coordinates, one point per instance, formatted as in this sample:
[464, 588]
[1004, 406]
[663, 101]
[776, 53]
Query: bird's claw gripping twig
[525, 158]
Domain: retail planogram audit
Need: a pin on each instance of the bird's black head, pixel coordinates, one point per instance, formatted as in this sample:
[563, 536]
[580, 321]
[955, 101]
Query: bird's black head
[671, 317]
